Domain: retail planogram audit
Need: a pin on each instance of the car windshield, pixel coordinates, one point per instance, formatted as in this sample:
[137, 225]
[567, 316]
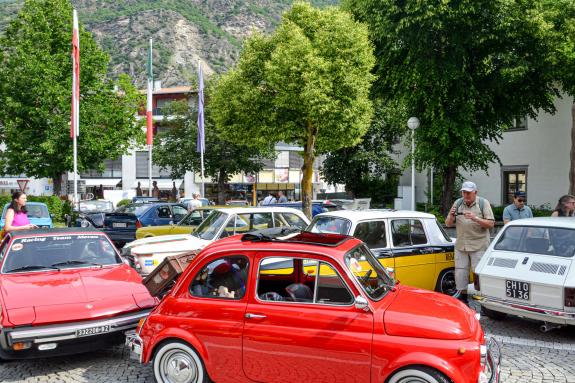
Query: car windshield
[37, 211]
[556, 241]
[58, 252]
[211, 226]
[96, 206]
[370, 274]
[136, 209]
[334, 225]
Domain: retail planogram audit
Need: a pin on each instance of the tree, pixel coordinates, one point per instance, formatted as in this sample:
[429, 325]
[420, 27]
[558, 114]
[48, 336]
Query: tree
[466, 68]
[175, 149]
[372, 157]
[307, 84]
[35, 86]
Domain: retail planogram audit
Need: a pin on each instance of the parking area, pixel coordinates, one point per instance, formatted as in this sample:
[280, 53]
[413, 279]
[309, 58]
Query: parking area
[529, 356]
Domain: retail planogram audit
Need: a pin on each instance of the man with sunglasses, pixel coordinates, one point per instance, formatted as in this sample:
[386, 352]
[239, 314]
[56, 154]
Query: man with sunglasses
[517, 210]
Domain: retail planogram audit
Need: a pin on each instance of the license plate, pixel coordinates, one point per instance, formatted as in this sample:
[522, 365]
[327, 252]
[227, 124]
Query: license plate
[119, 224]
[517, 290]
[93, 331]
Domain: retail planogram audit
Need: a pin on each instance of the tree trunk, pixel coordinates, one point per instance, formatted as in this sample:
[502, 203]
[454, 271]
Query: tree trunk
[307, 170]
[572, 164]
[57, 184]
[221, 188]
[449, 174]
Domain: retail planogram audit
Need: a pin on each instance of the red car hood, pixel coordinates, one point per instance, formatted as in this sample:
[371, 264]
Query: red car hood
[73, 294]
[425, 314]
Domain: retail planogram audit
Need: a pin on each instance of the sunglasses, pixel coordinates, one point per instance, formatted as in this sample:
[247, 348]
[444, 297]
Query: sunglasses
[520, 200]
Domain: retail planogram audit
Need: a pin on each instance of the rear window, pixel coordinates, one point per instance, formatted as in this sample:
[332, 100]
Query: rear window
[334, 225]
[554, 241]
[37, 211]
[136, 209]
[59, 252]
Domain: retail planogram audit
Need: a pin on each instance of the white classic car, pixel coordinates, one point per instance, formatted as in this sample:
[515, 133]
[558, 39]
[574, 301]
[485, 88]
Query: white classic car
[527, 271]
[222, 222]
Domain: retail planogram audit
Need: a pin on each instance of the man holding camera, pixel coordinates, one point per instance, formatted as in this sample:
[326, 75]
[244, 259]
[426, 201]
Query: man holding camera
[473, 218]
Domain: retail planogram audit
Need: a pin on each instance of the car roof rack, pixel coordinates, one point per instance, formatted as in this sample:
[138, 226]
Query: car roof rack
[294, 235]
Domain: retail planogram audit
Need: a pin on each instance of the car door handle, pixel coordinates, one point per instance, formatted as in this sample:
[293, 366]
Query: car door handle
[254, 316]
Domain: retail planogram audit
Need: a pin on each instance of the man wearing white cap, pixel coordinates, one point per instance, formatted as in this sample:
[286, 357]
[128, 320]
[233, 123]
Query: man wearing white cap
[473, 217]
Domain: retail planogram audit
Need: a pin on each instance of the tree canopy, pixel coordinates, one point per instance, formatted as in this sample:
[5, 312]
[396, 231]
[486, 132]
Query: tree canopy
[175, 149]
[306, 84]
[466, 68]
[35, 86]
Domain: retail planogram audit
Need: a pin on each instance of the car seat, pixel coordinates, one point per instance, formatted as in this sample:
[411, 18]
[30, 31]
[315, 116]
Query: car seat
[300, 292]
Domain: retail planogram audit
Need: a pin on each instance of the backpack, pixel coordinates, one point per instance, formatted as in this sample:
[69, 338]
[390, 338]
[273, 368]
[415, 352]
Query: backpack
[459, 202]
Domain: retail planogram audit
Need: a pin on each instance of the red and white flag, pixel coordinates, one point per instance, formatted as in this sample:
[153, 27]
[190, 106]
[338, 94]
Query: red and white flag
[75, 114]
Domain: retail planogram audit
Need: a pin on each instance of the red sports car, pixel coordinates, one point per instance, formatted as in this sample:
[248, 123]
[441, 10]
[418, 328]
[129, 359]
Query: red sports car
[65, 291]
[308, 307]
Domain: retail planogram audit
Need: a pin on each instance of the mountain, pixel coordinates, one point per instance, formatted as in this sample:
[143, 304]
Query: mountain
[183, 32]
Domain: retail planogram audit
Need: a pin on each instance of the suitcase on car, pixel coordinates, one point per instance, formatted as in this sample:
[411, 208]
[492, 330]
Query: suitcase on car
[163, 277]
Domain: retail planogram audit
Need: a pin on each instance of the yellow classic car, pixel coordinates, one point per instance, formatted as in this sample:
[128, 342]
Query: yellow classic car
[411, 243]
[185, 226]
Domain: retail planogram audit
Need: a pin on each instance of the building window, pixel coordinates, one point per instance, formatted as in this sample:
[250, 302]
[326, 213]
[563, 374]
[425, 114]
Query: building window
[142, 167]
[112, 169]
[519, 123]
[514, 180]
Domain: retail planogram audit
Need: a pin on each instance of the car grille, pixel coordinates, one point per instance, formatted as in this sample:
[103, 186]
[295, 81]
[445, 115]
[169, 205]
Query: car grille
[548, 268]
[502, 262]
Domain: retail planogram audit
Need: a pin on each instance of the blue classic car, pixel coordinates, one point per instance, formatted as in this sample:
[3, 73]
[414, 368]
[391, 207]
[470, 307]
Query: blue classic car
[38, 215]
[121, 225]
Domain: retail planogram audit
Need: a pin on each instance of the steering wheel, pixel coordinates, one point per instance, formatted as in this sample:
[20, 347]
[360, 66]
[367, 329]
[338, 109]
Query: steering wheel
[363, 280]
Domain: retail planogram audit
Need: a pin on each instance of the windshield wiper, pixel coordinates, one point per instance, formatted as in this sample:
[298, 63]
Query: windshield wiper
[33, 267]
[75, 262]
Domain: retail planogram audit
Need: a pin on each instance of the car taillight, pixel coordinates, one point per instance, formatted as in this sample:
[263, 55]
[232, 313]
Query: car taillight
[476, 284]
[569, 297]
[138, 224]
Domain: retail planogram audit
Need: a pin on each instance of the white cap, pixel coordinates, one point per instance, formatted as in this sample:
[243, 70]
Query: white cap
[469, 186]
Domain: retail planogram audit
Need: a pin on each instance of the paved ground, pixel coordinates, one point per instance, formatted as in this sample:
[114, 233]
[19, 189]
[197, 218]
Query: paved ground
[528, 356]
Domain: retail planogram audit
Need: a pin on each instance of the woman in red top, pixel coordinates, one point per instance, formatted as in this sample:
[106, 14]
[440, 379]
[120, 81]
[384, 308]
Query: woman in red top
[16, 214]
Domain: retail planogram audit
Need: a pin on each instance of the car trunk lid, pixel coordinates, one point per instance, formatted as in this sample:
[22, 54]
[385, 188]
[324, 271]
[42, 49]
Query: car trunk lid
[120, 221]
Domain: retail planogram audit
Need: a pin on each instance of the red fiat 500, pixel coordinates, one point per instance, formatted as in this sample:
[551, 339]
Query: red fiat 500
[63, 291]
[308, 308]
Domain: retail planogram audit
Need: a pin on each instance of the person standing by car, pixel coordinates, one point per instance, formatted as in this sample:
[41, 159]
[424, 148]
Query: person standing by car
[16, 214]
[517, 210]
[565, 207]
[155, 190]
[194, 202]
[269, 200]
[139, 190]
[472, 217]
[281, 197]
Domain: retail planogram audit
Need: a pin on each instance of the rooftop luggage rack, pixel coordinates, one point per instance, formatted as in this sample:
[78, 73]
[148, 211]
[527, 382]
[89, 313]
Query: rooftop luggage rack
[294, 235]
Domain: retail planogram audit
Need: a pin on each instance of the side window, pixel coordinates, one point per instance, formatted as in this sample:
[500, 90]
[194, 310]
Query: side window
[194, 218]
[230, 228]
[164, 212]
[4, 246]
[242, 224]
[277, 281]
[407, 232]
[223, 278]
[178, 212]
[289, 219]
[372, 233]
[331, 288]
[262, 221]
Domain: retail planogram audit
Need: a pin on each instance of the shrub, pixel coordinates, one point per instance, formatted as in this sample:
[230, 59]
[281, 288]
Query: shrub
[124, 202]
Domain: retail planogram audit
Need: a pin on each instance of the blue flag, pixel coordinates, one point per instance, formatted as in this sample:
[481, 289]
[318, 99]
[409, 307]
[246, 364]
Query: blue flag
[201, 142]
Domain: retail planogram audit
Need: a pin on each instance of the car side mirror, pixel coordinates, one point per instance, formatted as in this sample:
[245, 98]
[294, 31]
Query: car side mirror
[361, 303]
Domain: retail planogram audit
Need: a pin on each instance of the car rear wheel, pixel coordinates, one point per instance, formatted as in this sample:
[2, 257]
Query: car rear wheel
[446, 283]
[492, 314]
[176, 362]
[419, 375]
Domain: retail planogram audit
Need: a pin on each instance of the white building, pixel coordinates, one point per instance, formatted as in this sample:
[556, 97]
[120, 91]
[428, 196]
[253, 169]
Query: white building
[535, 159]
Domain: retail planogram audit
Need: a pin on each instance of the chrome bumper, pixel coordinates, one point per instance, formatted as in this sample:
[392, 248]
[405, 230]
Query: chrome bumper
[492, 371]
[135, 345]
[57, 333]
[545, 314]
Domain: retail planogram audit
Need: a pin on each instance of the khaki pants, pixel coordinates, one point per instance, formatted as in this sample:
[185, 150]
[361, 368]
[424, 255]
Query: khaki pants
[462, 261]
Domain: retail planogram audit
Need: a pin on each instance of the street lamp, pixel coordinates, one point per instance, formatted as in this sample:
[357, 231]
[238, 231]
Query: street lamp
[412, 124]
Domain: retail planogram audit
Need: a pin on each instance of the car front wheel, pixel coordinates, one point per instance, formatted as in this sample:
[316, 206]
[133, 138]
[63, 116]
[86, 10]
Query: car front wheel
[446, 283]
[419, 375]
[176, 362]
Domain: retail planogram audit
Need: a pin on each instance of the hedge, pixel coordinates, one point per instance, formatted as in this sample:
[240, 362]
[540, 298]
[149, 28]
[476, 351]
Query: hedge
[57, 207]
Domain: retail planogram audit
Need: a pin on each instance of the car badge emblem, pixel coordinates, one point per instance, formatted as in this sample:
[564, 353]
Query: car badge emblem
[89, 306]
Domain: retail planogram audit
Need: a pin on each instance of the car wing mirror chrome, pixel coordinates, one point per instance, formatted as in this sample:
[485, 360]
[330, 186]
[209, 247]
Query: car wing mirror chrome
[361, 303]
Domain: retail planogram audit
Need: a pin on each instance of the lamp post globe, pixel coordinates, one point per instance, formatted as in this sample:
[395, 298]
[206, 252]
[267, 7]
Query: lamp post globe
[412, 124]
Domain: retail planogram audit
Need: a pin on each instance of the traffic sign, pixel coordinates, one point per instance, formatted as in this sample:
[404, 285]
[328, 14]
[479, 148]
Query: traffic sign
[22, 184]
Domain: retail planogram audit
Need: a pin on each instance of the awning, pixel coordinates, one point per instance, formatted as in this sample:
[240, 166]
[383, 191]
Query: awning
[102, 181]
[162, 184]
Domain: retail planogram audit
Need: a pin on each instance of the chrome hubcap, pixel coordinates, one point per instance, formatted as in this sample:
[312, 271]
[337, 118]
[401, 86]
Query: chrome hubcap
[448, 283]
[179, 367]
[413, 379]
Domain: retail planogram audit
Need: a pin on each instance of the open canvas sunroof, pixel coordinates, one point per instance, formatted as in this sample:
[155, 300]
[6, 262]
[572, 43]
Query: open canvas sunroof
[296, 236]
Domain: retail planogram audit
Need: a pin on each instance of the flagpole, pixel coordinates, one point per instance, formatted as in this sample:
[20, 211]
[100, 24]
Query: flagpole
[75, 98]
[149, 119]
[201, 144]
